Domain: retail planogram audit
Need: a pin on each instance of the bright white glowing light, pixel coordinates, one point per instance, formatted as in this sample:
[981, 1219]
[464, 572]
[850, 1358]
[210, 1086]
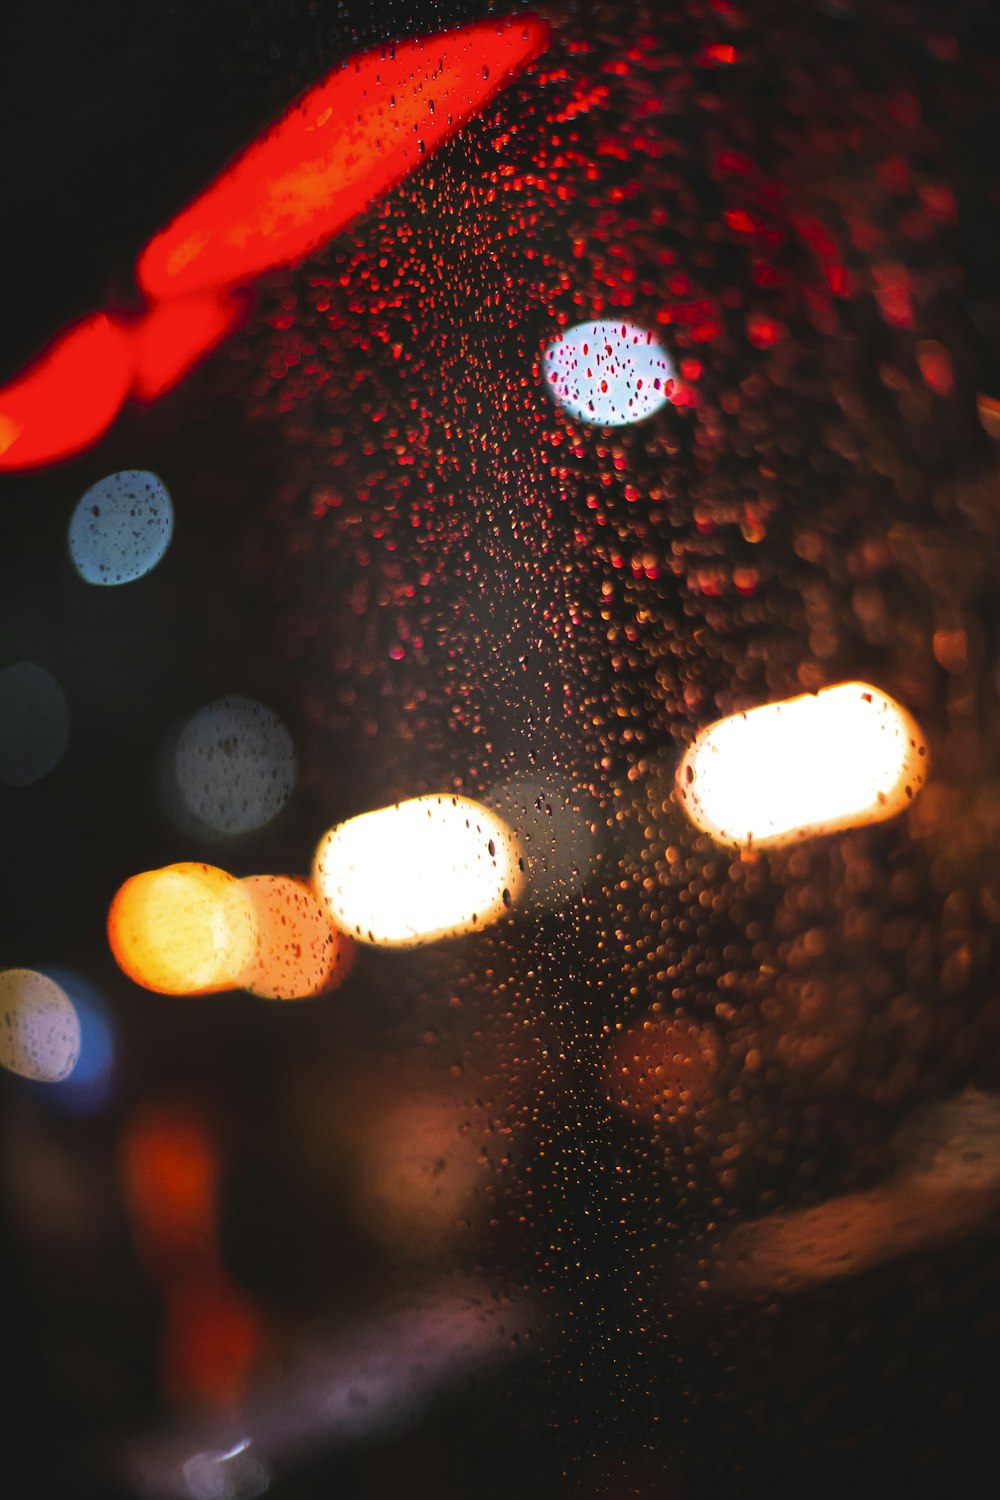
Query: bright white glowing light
[843, 757]
[39, 1029]
[608, 374]
[425, 869]
[121, 527]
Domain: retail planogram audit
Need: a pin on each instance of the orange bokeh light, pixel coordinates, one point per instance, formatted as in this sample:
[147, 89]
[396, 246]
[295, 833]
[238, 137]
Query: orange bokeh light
[340, 146]
[299, 952]
[68, 397]
[171, 338]
[187, 929]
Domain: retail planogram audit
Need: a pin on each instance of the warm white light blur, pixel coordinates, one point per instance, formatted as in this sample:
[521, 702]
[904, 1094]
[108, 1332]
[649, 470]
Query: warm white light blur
[429, 868]
[187, 929]
[843, 757]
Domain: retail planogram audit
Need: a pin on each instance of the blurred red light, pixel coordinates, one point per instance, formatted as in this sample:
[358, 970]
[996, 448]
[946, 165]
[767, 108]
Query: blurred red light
[210, 1340]
[340, 146]
[175, 336]
[69, 397]
[169, 1172]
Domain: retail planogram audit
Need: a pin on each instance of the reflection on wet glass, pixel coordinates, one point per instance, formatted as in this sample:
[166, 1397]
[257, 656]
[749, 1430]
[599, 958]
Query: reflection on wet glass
[935, 1198]
[233, 1474]
[376, 1378]
[709, 1105]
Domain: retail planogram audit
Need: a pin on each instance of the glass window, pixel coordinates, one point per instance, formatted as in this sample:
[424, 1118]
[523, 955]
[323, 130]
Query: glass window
[499, 990]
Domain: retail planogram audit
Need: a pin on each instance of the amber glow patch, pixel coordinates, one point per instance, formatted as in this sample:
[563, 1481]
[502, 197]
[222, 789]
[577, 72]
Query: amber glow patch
[298, 950]
[662, 1071]
[340, 146]
[187, 929]
[841, 758]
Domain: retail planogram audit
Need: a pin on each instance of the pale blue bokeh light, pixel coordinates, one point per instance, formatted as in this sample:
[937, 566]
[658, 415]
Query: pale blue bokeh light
[121, 527]
[608, 374]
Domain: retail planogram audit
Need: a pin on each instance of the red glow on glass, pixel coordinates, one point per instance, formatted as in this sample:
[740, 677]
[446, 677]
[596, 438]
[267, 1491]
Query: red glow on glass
[175, 336]
[169, 1172]
[763, 332]
[741, 221]
[345, 142]
[719, 52]
[69, 397]
[211, 1336]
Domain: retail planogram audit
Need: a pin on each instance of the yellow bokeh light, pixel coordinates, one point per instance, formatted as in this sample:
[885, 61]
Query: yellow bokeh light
[843, 757]
[429, 868]
[298, 952]
[187, 929]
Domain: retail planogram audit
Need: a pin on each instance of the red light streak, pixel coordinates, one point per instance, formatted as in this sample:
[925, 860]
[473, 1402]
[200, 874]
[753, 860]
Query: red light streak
[69, 397]
[175, 336]
[343, 144]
